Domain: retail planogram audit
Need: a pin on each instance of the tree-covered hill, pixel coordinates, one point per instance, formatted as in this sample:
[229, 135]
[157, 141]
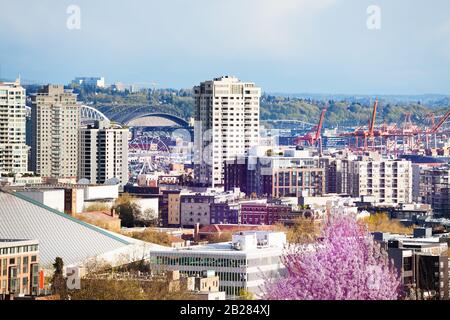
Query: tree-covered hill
[342, 111]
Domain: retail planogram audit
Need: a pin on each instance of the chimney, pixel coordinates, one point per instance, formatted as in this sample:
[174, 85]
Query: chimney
[197, 232]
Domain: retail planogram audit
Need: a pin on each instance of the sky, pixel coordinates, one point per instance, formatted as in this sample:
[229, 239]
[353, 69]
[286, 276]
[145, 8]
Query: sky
[286, 46]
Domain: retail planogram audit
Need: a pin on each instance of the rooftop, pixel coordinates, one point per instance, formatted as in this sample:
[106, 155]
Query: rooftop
[59, 234]
[218, 228]
[4, 243]
[244, 243]
[98, 215]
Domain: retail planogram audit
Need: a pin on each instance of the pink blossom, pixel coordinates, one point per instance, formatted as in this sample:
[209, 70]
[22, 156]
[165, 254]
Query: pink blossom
[346, 264]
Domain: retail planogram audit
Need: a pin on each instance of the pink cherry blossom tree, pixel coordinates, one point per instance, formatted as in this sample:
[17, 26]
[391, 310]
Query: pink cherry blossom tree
[344, 264]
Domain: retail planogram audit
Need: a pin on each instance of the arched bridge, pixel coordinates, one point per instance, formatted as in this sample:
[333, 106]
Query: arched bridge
[129, 115]
[89, 114]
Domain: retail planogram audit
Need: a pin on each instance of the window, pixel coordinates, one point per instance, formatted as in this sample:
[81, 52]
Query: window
[407, 264]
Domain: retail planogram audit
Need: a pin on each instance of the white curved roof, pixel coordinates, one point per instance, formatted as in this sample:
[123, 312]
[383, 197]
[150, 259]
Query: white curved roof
[59, 234]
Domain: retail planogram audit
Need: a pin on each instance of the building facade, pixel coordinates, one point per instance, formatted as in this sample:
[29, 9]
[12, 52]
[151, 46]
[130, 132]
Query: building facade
[103, 154]
[13, 148]
[95, 82]
[56, 122]
[225, 212]
[195, 209]
[435, 189]
[264, 213]
[19, 267]
[388, 181]
[245, 264]
[293, 174]
[226, 125]
[173, 207]
[422, 264]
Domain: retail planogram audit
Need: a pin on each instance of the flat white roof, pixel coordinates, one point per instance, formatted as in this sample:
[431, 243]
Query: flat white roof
[220, 248]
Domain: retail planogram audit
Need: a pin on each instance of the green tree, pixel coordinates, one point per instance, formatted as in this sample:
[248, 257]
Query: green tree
[58, 282]
[128, 210]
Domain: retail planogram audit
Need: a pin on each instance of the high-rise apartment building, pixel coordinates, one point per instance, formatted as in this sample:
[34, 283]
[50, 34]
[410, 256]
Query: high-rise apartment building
[226, 125]
[13, 148]
[387, 180]
[103, 153]
[56, 122]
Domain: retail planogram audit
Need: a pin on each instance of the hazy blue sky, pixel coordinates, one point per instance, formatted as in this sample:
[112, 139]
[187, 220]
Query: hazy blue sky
[312, 46]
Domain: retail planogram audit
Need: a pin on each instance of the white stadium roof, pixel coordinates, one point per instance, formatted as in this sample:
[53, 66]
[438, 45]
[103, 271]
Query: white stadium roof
[61, 235]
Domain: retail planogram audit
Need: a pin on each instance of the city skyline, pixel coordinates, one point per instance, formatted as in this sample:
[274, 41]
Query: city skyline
[286, 49]
[224, 151]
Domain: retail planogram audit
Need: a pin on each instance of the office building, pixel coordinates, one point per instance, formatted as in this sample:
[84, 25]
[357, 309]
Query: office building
[244, 264]
[19, 267]
[103, 153]
[226, 125]
[13, 148]
[56, 122]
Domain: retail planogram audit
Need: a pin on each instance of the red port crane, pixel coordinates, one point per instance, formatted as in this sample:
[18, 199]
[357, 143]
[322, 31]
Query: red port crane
[440, 122]
[312, 139]
[371, 132]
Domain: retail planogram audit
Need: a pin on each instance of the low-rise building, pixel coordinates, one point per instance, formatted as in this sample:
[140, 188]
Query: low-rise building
[225, 212]
[68, 198]
[61, 235]
[244, 264]
[195, 209]
[94, 82]
[422, 263]
[19, 267]
[263, 213]
[53, 198]
[291, 173]
[435, 189]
